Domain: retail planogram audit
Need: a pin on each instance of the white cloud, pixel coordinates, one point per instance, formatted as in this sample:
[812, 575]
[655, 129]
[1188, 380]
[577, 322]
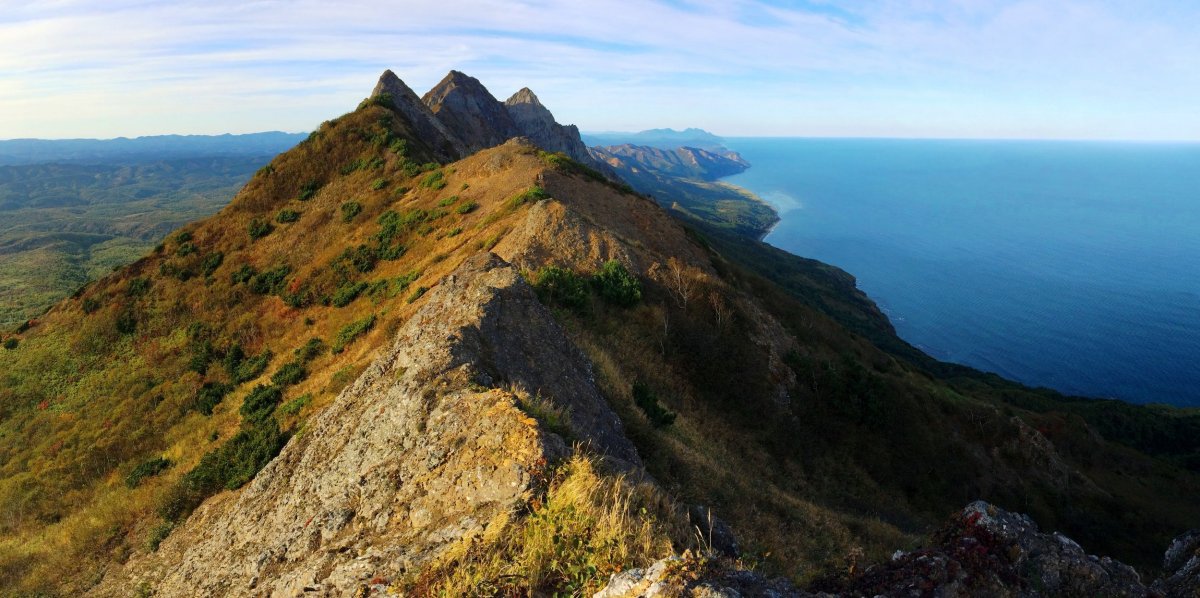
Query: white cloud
[935, 67]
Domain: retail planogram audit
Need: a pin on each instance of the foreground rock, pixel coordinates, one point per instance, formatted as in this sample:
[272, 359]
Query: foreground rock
[1181, 567]
[986, 551]
[428, 446]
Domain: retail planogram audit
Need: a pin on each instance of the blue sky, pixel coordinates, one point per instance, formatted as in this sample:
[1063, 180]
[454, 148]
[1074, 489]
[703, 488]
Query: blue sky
[914, 68]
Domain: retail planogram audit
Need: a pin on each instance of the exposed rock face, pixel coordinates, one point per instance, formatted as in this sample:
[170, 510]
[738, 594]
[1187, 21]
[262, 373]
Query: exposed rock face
[686, 162]
[538, 124]
[466, 107]
[427, 127]
[1181, 567]
[987, 551]
[428, 446]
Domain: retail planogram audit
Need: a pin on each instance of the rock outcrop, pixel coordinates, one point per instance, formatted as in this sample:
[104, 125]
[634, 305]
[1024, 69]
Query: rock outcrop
[1181, 567]
[986, 551]
[538, 124]
[426, 126]
[466, 107]
[433, 442]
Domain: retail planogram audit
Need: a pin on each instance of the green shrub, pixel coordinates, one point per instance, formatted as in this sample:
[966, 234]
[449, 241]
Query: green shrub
[185, 249]
[311, 350]
[259, 228]
[137, 287]
[383, 99]
[645, 399]
[211, 262]
[379, 183]
[11, 343]
[147, 469]
[90, 305]
[449, 201]
[286, 216]
[533, 194]
[290, 374]
[350, 209]
[616, 285]
[260, 403]
[245, 273]
[308, 190]
[399, 146]
[241, 369]
[294, 406]
[434, 180]
[209, 396]
[363, 258]
[454, 232]
[126, 321]
[416, 294]
[157, 534]
[352, 331]
[561, 286]
[347, 293]
[227, 467]
[183, 237]
[466, 208]
[270, 282]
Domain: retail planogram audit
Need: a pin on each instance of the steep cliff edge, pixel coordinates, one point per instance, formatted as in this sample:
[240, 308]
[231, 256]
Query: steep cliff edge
[431, 444]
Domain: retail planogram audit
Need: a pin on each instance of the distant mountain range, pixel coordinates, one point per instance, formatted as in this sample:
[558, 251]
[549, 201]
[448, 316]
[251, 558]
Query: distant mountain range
[659, 138]
[152, 148]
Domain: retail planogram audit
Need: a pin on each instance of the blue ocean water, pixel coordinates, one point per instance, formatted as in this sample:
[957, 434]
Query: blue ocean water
[1071, 265]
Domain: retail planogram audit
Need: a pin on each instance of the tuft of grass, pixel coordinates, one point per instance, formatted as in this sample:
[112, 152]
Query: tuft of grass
[434, 180]
[466, 208]
[588, 527]
[259, 228]
[416, 294]
[350, 210]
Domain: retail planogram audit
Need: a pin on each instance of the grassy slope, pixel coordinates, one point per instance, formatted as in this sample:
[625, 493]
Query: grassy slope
[67, 224]
[868, 450]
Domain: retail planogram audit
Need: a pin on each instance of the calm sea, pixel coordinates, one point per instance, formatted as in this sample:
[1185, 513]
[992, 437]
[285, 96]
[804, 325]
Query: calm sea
[1072, 265]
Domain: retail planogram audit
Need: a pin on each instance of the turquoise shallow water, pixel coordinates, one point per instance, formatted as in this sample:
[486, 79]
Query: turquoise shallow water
[1072, 265]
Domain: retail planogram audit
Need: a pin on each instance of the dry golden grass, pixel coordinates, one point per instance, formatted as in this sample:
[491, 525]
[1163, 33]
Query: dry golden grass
[586, 527]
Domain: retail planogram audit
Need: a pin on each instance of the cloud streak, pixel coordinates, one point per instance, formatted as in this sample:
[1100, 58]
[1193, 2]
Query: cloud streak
[960, 68]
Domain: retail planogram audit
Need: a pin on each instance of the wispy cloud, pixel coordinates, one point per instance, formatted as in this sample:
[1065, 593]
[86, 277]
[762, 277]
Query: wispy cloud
[1036, 68]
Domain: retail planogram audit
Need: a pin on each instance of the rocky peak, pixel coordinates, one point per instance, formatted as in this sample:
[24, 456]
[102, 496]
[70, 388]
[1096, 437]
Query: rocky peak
[468, 109]
[537, 123]
[444, 143]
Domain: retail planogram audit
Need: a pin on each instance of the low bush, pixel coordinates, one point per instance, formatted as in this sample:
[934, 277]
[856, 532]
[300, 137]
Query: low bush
[294, 406]
[259, 228]
[290, 374]
[146, 469]
[616, 285]
[211, 262]
[11, 343]
[311, 350]
[434, 180]
[350, 210]
[209, 396]
[352, 331]
[645, 399]
[227, 467]
[347, 293]
[308, 190]
[561, 286]
[416, 294]
[286, 216]
[260, 403]
[466, 208]
[379, 183]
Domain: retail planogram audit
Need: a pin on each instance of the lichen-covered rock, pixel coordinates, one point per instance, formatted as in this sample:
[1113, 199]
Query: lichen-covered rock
[430, 445]
[987, 551]
[1181, 567]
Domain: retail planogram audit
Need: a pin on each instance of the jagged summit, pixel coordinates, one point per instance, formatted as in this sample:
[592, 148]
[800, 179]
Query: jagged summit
[459, 117]
[466, 107]
[523, 96]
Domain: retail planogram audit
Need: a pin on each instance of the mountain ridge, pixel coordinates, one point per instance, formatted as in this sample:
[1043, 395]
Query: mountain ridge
[741, 396]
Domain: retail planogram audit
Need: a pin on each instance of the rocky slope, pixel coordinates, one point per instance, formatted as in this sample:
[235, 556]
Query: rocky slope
[430, 445]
